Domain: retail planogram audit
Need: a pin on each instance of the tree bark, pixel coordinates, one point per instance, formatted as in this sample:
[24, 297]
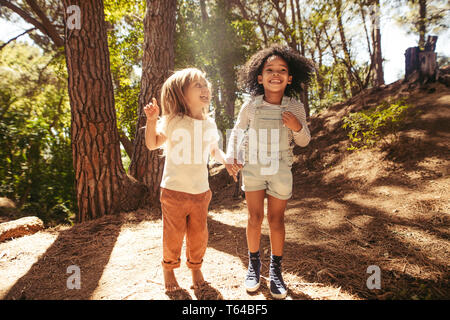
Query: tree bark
[102, 186]
[422, 23]
[157, 63]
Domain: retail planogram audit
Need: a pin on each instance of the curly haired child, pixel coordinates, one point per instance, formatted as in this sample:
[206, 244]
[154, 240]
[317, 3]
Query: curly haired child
[268, 125]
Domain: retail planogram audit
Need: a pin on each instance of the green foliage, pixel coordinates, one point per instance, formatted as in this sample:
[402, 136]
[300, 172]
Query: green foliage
[125, 42]
[367, 128]
[332, 78]
[35, 151]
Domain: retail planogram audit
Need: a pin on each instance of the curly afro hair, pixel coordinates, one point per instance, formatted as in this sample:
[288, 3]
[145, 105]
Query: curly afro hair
[300, 68]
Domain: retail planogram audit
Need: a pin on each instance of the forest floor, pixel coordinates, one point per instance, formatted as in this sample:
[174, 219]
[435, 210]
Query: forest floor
[387, 207]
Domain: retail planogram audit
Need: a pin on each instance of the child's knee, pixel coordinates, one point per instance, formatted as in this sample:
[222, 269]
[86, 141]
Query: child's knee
[275, 221]
[256, 218]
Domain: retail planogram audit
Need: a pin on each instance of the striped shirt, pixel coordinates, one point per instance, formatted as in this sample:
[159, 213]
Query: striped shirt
[247, 115]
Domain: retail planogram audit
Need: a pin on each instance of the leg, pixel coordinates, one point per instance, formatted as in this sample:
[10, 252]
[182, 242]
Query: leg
[174, 228]
[255, 206]
[255, 190]
[275, 217]
[197, 235]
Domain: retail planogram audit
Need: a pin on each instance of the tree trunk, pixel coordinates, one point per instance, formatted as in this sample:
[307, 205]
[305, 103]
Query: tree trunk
[102, 186]
[376, 38]
[421, 65]
[348, 61]
[203, 10]
[341, 77]
[320, 79]
[422, 23]
[127, 144]
[224, 54]
[304, 98]
[300, 27]
[157, 64]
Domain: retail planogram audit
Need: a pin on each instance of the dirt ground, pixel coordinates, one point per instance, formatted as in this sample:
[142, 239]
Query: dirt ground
[387, 207]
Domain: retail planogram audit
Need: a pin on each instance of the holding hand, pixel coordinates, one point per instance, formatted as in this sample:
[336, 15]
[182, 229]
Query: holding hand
[291, 121]
[152, 110]
[233, 168]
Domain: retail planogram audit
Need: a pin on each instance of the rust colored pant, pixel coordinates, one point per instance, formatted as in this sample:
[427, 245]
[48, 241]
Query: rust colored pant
[184, 214]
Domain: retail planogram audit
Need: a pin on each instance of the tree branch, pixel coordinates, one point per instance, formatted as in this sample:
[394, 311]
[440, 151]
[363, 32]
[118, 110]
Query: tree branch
[16, 37]
[51, 31]
[58, 41]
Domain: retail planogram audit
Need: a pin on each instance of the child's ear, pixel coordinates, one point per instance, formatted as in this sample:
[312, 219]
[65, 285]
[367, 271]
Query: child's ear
[260, 81]
[290, 80]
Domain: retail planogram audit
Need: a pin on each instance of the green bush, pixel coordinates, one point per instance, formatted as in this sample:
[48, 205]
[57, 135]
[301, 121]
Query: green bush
[60, 214]
[369, 127]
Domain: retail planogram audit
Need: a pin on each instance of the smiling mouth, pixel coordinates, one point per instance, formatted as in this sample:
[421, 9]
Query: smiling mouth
[275, 81]
[204, 97]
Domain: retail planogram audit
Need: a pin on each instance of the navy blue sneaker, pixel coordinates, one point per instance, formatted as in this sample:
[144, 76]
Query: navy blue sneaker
[252, 280]
[277, 286]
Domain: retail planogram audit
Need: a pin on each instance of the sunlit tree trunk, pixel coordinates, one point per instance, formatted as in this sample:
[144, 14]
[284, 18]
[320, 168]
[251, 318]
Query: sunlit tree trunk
[376, 38]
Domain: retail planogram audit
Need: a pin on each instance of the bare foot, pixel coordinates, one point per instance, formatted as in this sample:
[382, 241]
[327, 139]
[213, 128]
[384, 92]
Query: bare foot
[197, 278]
[170, 281]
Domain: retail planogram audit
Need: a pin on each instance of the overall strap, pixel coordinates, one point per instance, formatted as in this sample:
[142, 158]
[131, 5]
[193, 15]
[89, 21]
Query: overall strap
[254, 104]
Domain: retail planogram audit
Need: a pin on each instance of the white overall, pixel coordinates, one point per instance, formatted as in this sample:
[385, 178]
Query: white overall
[267, 156]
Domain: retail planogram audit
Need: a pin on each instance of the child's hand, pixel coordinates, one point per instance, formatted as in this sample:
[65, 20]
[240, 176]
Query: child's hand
[291, 121]
[152, 110]
[233, 168]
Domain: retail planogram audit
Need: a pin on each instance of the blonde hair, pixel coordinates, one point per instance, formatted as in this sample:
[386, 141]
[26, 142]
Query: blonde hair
[173, 101]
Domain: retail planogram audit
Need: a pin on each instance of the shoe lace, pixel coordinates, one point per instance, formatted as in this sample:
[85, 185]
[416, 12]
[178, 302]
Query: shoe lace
[275, 275]
[252, 266]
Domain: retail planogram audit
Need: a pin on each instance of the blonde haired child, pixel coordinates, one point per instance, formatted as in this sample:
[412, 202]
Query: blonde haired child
[188, 135]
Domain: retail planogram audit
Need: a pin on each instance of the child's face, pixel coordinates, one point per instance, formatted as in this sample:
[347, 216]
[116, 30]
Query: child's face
[197, 94]
[275, 75]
